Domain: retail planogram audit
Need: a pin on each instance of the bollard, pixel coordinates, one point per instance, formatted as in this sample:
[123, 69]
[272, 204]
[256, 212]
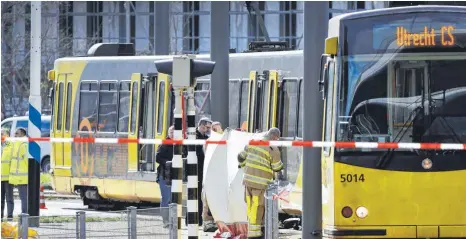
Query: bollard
[173, 220]
[132, 215]
[77, 224]
[81, 225]
[23, 225]
[271, 212]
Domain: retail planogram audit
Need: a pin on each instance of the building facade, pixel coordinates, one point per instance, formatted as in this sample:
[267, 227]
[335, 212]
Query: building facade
[70, 28]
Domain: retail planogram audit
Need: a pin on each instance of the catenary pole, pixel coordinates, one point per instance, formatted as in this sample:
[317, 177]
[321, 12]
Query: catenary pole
[315, 32]
[34, 125]
[128, 21]
[219, 52]
[162, 28]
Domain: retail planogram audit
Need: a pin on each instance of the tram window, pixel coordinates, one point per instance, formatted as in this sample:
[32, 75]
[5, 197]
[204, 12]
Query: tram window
[263, 106]
[202, 103]
[161, 104]
[171, 106]
[88, 107]
[271, 106]
[329, 105]
[134, 98]
[251, 106]
[123, 111]
[52, 122]
[234, 103]
[69, 94]
[301, 109]
[108, 107]
[290, 101]
[60, 106]
[244, 102]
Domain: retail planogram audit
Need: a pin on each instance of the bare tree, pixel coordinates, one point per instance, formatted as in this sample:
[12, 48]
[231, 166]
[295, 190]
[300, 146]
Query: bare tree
[15, 73]
[57, 41]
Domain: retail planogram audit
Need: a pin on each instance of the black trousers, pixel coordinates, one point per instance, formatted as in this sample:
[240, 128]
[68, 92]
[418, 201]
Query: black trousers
[199, 201]
[7, 193]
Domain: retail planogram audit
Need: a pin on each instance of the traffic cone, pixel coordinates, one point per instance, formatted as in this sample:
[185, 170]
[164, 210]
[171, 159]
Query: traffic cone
[42, 198]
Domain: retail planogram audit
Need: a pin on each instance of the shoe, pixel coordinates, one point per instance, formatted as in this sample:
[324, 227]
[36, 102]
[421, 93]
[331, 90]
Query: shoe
[209, 226]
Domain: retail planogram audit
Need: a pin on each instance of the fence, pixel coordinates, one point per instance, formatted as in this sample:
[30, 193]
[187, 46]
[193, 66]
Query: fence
[132, 223]
[271, 212]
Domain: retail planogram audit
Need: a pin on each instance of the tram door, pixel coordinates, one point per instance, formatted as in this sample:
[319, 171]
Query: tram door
[58, 125]
[407, 81]
[148, 115]
[252, 108]
[133, 123]
[272, 103]
[163, 106]
[262, 99]
[164, 109]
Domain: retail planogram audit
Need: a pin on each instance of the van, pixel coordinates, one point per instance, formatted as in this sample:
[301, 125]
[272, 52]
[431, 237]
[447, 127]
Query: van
[22, 122]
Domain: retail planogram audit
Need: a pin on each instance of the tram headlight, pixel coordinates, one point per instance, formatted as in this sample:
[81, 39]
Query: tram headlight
[362, 212]
[427, 163]
[347, 212]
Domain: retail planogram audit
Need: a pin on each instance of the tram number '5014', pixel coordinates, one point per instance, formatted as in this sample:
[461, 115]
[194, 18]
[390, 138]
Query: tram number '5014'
[351, 178]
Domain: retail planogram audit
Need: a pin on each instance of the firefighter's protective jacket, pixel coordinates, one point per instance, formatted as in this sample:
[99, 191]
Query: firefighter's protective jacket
[259, 162]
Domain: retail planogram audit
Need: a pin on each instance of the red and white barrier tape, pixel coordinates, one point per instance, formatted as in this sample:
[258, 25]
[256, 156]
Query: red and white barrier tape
[315, 144]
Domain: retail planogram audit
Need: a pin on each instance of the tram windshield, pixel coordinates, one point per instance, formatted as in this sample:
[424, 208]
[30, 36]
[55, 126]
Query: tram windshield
[404, 79]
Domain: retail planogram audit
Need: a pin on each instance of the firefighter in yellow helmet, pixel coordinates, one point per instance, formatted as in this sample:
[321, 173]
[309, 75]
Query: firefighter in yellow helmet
[7, 188]
[260, 163]
[19, 168]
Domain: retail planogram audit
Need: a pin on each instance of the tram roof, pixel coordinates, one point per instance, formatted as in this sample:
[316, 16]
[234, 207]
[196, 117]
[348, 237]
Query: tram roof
[161, 57]
[400, 10]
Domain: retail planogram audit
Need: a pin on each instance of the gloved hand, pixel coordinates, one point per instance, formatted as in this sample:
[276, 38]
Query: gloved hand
[281, 175]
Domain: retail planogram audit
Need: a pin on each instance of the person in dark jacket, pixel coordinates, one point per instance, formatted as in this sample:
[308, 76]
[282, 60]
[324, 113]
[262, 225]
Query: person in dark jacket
[164, 154]
[202, 132]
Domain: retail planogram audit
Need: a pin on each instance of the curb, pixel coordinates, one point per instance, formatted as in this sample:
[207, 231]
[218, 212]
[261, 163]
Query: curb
[49, 194]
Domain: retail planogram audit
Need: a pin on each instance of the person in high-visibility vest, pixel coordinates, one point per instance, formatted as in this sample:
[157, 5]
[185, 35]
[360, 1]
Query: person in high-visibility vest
[19, 169]
[7, 188]
[260, 163]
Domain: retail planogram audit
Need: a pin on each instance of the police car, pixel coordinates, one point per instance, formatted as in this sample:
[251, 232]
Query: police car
[13, 123]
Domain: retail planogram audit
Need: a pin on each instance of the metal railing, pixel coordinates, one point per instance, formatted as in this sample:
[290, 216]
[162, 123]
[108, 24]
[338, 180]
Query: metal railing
[271, 212]
[131, 223]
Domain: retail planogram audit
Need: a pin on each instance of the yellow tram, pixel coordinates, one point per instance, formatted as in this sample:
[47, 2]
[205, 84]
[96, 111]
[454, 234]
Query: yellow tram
[119, 95]
[395, 75]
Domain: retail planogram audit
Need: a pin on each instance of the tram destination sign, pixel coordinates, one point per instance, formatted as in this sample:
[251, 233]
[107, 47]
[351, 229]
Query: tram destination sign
[417, 35]
[427, 37]
[405, 32]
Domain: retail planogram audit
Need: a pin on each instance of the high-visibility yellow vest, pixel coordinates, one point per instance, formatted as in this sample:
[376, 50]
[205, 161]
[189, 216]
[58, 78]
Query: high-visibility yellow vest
[19, 164]
[6, 158]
